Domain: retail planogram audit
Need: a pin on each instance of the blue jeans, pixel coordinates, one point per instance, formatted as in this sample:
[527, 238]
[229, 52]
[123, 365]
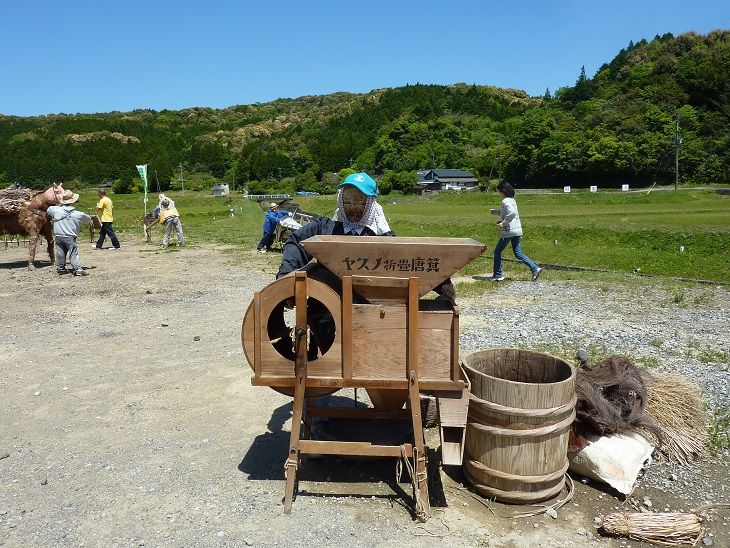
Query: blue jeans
[106, 229]
[501, 244]
[266, 241]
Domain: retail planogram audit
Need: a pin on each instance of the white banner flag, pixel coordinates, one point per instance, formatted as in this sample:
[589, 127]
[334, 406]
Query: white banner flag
[143, 173]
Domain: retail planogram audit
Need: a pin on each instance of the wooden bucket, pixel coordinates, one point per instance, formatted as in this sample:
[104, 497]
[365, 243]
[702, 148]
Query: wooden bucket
[521, 407]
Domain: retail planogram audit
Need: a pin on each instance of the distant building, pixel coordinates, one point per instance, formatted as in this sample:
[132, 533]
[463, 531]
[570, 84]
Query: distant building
[446, 179]
[220, 189]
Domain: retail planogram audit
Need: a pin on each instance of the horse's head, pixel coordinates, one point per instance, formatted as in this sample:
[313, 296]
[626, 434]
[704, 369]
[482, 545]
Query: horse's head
[42, 200]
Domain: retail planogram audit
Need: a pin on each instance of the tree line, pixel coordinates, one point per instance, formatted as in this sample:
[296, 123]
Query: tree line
[656, 99]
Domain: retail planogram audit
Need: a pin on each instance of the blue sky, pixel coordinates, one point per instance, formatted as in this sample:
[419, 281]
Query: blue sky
[89, 56]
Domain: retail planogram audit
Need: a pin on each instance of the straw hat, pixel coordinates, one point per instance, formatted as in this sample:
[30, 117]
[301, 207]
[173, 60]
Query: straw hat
[69, 197]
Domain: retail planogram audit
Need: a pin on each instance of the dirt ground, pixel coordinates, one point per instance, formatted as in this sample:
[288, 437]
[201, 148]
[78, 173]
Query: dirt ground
[127, 418]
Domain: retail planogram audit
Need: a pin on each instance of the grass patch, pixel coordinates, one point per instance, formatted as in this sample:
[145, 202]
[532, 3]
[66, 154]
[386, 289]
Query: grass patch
[707, 355]
[683, 233]
[703, 298]
[614, 231]
[719, 430]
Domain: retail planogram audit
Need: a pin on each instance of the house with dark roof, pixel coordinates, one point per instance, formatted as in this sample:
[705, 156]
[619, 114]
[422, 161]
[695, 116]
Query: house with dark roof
[447, 179]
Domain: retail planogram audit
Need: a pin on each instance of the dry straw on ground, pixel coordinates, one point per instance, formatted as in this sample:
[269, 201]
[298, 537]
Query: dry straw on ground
[665, 529]
[674, 404]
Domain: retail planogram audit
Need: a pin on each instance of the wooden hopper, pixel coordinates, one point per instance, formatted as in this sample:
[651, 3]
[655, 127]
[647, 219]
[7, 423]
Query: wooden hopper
[431, 260]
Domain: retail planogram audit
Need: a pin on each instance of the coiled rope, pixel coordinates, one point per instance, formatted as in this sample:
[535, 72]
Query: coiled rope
[416, 478]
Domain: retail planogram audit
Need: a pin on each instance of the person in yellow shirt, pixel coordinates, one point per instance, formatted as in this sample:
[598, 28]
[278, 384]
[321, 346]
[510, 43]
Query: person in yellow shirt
[105, 208]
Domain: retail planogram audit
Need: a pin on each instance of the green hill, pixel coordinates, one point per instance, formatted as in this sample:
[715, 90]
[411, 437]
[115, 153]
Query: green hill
[621, 126]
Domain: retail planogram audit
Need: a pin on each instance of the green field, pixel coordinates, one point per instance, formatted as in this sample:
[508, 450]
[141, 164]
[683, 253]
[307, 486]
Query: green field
[615, 231]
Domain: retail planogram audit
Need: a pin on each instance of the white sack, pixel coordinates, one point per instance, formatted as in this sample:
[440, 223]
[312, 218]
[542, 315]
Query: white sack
[288, 222]
[615, 460]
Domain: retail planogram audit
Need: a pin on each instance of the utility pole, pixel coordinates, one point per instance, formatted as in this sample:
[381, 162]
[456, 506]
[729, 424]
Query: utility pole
[677, 142]
[182, 181]
[499, 160]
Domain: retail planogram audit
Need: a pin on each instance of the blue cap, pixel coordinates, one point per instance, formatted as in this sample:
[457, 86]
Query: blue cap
[363, 182]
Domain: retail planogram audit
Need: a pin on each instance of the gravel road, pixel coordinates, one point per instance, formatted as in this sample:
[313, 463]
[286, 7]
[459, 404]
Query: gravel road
[128, 418]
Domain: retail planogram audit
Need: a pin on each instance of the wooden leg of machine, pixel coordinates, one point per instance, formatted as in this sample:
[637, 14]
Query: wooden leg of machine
[423, 509]
[301, 333]
[292, 462]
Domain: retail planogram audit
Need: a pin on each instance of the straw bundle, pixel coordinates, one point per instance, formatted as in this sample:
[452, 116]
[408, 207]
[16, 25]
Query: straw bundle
[675, 406]
[665, 529]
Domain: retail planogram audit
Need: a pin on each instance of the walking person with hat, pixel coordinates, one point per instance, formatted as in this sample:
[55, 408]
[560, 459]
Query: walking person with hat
[106, 216]
[272, 218]
[66, 220]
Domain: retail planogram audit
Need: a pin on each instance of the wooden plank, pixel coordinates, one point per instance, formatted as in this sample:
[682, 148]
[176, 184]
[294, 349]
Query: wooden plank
[347, 327]
[336, 383]
[431, 260]
[421, 479]
[359, 282]
[353, 448]
[381, 354]
[441, 385]
[332, 382]
[453, 407]
[300, 346]
[381, 316]
[274, 365]
[455, 363]
[300, 298]
[258, 321]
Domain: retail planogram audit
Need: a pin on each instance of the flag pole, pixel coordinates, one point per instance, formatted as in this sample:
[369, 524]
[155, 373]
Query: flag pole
[143, 173]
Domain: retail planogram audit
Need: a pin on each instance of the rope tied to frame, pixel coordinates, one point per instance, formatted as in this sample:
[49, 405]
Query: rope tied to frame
[290, 462]
[293, 335]
[416, 478]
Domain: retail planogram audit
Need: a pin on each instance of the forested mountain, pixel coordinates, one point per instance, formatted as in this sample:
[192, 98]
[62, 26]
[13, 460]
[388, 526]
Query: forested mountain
[621, 126]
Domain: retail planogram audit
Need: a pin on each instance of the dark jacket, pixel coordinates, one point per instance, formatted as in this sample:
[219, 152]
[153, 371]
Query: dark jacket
[295, 257]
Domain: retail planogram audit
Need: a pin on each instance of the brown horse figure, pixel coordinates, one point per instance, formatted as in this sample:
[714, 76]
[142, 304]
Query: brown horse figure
[25, 213]
[42, 200]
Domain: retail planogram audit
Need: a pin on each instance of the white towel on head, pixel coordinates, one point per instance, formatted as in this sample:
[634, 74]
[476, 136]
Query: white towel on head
[373, 217]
